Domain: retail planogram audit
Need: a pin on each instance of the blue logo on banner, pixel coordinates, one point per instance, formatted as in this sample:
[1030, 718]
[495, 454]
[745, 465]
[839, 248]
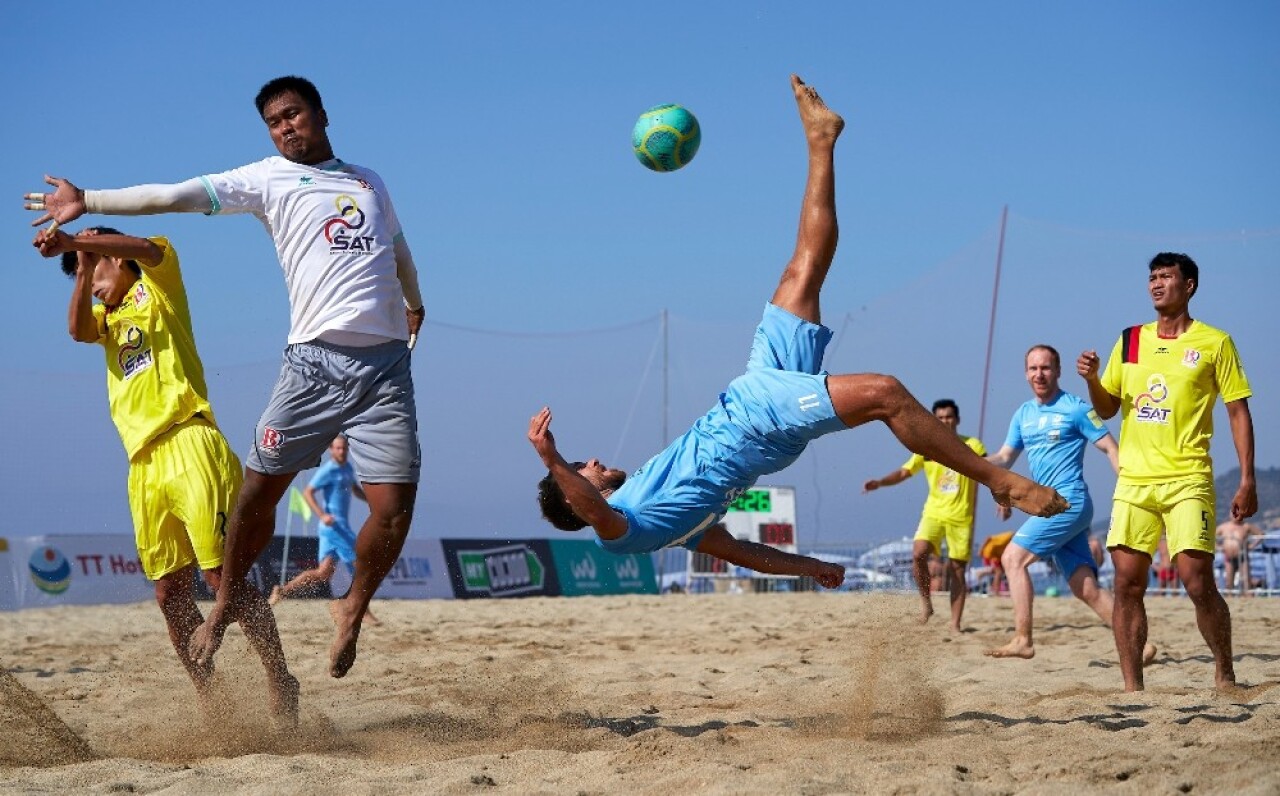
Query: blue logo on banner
[50, 570]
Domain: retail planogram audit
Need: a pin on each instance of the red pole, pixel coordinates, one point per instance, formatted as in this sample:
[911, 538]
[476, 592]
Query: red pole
[991, 327]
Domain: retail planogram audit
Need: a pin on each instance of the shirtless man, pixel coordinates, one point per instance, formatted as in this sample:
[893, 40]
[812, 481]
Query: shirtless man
[1235, 539]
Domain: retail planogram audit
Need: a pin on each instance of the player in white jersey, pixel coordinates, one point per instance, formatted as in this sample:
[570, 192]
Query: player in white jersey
[354, 299]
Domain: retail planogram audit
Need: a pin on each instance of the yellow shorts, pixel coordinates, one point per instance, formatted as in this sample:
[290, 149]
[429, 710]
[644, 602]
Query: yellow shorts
[182, 486]
[1182, 510]
[959, 538]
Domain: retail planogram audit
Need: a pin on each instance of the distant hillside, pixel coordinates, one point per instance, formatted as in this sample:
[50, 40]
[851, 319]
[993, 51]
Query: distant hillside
[1268, 515]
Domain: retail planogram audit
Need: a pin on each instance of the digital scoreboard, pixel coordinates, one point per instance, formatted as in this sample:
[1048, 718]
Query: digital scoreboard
[765, 514]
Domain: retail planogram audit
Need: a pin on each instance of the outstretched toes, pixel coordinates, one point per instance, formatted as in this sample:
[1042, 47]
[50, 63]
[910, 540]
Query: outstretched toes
[1027, 495]
[821, 124]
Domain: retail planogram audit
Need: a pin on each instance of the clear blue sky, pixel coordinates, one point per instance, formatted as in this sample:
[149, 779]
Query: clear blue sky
[1111, 130]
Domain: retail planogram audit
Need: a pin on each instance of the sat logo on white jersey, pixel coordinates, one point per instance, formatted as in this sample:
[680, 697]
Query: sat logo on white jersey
[338, 230]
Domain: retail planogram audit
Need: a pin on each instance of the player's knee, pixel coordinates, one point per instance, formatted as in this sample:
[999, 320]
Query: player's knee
[1199, 588]
[173, 590]
[1128, 586]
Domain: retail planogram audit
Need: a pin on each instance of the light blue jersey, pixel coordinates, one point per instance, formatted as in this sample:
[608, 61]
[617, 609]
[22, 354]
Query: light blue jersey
[761, 424]
[334, 482]
[1054, 436]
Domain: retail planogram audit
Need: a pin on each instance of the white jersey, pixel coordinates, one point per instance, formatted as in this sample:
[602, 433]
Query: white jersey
[334, 228]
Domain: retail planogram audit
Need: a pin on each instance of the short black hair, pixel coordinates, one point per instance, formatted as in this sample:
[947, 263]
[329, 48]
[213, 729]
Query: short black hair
[70, 262]
[1182, 262]
[282, 85]
[555, 508]
[945, 403]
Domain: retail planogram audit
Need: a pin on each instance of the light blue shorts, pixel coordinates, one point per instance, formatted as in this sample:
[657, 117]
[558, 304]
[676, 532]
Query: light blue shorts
[782, 400]
[325, 390]
[337, 540]
[1064, 537]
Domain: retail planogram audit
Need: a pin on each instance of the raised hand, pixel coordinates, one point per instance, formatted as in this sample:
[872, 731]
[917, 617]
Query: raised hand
[64, 205]
[51, 242]
[1087, 365]
[541, 438]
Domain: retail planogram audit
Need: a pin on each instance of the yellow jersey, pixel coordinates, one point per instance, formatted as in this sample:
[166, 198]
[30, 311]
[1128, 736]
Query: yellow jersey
[154, 376]
[952, 497]
[1167, 389]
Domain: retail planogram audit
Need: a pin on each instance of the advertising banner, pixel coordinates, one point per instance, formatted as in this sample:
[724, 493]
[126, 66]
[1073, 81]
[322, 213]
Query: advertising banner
[583, 568]
[419, 573]
[76, 570]
[488, 568]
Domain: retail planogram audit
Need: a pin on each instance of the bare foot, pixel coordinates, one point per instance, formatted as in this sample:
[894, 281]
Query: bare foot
[277, 594]
[342, 653]
[370, 619]
[1148, 654]
[926, 611]
[284, 701]
[1027, 495]
[1018, 648]
[821, 124]
[1225, 679]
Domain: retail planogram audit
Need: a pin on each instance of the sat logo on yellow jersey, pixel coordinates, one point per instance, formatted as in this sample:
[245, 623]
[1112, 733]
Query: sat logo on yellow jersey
[1191, 357]
[132, 357]
[1147, 404]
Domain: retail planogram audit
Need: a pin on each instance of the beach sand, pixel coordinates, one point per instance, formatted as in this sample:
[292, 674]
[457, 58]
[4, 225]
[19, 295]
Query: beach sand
[751, 693]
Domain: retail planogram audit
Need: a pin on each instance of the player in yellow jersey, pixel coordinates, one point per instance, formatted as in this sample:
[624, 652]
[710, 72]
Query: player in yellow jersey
[948, 515]
[183, 476]
[1164, 378]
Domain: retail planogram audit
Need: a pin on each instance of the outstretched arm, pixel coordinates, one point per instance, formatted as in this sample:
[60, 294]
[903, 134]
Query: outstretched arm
[67, 202]
[896, 477]
[719, 543]
[583, 496]
[1245, 502]
[1108, 446]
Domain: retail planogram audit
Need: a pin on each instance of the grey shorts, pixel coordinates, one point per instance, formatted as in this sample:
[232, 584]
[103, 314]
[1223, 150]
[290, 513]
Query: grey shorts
[325, 390]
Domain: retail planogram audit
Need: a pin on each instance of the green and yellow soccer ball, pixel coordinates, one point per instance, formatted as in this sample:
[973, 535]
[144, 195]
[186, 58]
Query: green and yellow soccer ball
[666, 137]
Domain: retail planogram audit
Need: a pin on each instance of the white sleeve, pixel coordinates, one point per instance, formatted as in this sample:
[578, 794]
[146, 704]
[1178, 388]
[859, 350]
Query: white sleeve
[147, 200]
[406, 270]
[242, 190]
[408, 274]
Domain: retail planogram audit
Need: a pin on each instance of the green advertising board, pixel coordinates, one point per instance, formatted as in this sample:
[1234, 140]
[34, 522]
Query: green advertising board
[583, 568]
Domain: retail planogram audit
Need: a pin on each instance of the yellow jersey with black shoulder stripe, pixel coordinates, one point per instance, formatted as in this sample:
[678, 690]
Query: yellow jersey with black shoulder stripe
[952, 496]
[154, 376]
[1167, 388]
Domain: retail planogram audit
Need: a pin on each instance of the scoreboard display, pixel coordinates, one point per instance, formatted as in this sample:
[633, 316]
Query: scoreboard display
[765, 514]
